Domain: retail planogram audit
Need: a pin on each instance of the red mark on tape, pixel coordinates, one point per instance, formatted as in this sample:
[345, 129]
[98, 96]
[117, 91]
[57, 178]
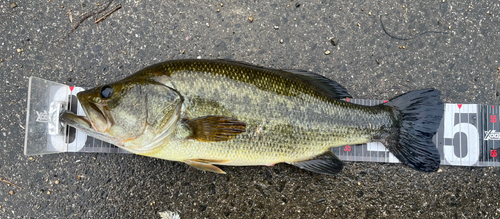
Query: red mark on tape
[459, 106]
[493, 118]
[347, 99]
[493, 153]
[347, 148]
[71, 88]
[385, 101]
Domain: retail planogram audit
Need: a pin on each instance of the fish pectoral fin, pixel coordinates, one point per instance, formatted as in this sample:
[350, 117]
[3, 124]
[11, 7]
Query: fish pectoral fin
[206, 165]
[326, 163]
[215, 128]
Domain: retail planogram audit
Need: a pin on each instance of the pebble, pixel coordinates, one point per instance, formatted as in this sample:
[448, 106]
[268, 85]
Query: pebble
[250, 19]
[11, 192]
[327, 52]
[276, 27]
[281, 41]
[56, 182]
[332, 41]
[13, 5]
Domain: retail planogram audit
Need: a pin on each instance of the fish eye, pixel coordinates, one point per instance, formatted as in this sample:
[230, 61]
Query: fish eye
[106, 91]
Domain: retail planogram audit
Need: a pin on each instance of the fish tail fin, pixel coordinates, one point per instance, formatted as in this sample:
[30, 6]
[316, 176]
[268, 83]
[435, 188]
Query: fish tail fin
[418, 115]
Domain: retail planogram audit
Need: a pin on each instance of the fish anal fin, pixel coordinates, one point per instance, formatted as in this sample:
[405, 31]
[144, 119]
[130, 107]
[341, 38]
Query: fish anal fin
[326, 163]
[203, 164]
[215, 128]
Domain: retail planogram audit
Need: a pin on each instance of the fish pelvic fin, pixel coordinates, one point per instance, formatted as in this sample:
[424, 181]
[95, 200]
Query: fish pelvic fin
[206, 165]
[215, 128]
[418, 115]
[326, 163]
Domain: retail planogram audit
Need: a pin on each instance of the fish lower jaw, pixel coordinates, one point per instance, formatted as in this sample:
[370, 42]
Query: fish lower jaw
[142, 150]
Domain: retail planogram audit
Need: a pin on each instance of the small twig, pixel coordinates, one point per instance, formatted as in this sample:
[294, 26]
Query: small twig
[8, 182]
[109, 13]
[402, 38]
[86, 17]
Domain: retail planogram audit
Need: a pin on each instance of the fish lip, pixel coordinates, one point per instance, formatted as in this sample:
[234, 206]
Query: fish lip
[75, 120]
[84, 124]
[86, 105]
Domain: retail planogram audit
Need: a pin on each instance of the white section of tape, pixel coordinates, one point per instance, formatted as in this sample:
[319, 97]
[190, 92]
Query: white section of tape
[472, 147]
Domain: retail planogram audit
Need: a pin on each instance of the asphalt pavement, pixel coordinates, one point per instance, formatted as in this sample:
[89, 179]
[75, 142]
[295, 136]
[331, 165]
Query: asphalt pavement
[376, 49]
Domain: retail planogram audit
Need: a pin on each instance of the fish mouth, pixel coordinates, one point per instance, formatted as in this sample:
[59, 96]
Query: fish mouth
[84, 124]
[94, 115]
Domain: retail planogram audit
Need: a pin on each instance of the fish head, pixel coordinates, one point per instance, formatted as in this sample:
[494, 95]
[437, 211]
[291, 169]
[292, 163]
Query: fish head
[133, 114]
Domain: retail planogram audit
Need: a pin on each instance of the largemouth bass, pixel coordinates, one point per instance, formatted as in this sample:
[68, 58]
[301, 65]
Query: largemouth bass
[217, 112]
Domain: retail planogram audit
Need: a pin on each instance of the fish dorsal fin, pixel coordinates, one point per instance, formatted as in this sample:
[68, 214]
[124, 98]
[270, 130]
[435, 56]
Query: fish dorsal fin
[323, 85]
[215, 128]
[326, 163]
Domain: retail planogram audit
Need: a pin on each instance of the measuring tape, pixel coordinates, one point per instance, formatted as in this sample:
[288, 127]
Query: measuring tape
[469, 134]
